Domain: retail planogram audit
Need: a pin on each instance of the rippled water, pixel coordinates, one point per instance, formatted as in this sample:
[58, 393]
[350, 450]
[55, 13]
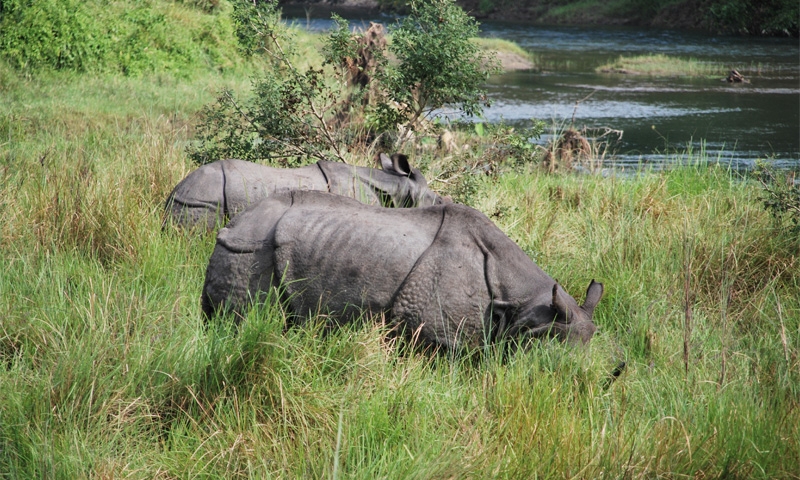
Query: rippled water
[734, 123]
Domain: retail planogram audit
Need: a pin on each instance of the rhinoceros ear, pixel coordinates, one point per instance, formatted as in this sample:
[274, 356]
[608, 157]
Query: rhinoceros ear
[397, 164]
[593, 295]
[401, 164]
[560, 305]
[384, 161]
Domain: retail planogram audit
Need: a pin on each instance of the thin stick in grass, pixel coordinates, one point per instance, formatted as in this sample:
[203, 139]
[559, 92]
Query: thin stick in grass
[783, 330]
[687, 291]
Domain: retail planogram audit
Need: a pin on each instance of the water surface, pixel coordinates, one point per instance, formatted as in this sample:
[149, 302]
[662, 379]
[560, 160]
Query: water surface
[733, 123]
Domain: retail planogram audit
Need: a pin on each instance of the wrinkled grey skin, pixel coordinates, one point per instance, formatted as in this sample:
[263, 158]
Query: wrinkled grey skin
[446, 275]
[219, 190]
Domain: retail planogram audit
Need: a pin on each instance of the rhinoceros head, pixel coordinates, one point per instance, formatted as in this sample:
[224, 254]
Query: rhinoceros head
[422, 196]
[562, 318]
[575, 324]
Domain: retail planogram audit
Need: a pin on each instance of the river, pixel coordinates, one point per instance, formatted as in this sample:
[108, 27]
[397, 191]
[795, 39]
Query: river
[735, 124]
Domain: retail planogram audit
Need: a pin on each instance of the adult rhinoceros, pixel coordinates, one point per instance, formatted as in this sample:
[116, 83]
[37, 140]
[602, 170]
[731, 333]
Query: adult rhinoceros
[445, 274]
[219, 190]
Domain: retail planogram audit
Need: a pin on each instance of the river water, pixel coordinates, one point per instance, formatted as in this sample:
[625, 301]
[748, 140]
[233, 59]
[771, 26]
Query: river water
[735, 124]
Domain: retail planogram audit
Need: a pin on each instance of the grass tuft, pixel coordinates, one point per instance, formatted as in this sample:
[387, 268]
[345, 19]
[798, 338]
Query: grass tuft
[659, 65]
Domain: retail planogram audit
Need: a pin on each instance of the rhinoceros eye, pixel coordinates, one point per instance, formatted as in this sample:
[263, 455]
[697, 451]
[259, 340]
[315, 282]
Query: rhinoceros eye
[564, 316]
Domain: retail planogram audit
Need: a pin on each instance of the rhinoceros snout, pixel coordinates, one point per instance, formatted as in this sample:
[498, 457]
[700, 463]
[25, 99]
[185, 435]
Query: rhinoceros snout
[581, 334]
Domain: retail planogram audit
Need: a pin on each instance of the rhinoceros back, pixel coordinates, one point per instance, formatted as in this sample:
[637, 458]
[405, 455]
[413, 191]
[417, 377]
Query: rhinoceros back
[348, 181]
[225, 187]
[247, 183]
[337, 252]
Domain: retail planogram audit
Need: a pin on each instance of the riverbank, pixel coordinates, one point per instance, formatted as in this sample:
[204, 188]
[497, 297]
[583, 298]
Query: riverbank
[511, 56]
[747, 17]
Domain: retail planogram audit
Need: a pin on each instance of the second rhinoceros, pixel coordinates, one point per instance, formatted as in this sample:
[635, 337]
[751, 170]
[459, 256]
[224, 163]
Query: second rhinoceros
[445, 274]
[218, 190]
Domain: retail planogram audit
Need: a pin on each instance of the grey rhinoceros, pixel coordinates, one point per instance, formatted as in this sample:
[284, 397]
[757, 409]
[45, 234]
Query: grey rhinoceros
[444, 274]
[219, 190]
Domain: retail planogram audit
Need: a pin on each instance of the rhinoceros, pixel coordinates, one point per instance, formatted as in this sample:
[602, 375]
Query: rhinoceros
[445, 274]
[219, 190]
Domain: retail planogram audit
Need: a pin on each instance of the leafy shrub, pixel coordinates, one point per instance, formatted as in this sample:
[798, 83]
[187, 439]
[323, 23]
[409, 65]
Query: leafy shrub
[127, 37]
[340, 44]
[285, 118]
[296, 114]
[255, 23]
[781, 196]
[514, 144]
[57, 33]
[437, 64]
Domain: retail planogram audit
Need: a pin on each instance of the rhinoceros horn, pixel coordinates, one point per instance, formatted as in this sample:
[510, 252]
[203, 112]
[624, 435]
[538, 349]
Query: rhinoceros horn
[566, 319]
[560, 305]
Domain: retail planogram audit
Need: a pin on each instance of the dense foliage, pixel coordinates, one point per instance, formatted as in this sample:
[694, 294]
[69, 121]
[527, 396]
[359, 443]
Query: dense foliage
[750, 17]
[60, 34]
[755, 17]
[127, 37]
[297, 113]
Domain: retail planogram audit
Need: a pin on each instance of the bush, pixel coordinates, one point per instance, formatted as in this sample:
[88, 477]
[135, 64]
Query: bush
[295, 114]
[127, 37]
[285, 118]
[147, 43]
[781, 197]
[755, 17]
[57, 33]
[437, 64]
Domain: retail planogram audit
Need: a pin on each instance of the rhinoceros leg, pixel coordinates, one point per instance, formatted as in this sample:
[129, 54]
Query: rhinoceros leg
[242, 269]
[235, 280]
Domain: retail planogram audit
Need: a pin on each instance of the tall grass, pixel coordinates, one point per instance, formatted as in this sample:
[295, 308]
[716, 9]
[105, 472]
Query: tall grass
[106, 369]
